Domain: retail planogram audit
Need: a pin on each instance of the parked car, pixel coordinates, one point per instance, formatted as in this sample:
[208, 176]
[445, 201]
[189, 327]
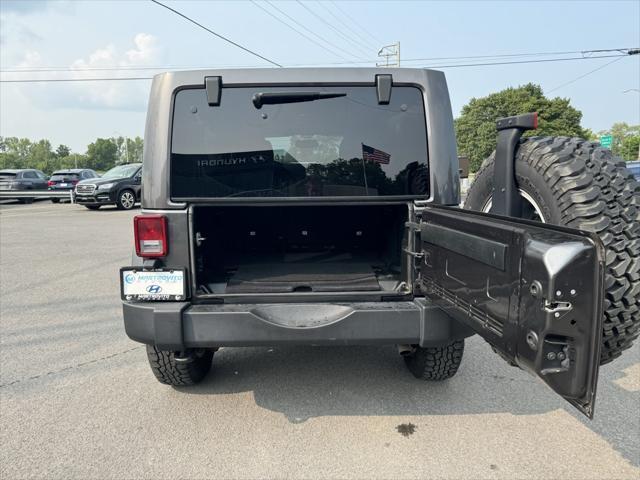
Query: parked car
[62, 180]
[319, 207]
[120, 186]
[634, 168]
[22, 179]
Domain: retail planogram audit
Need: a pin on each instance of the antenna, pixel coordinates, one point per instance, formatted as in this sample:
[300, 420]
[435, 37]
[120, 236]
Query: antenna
[390, 54]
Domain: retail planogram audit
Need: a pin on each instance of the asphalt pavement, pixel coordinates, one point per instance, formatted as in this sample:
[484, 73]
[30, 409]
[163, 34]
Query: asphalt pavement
[78, 400]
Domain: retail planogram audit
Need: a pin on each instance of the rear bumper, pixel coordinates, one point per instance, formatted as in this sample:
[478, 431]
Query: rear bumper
[180, 325]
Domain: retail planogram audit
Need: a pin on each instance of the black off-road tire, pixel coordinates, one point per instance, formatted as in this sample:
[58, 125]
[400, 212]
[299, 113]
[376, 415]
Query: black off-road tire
[579, 184]
[436, 363]
[178, 372]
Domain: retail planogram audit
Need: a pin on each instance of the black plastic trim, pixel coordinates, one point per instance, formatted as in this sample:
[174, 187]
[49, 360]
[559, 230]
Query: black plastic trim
[383, 88]
[487, 251]
[213, 85]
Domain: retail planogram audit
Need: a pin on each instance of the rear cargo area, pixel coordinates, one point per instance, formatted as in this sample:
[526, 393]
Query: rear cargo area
[298, 249]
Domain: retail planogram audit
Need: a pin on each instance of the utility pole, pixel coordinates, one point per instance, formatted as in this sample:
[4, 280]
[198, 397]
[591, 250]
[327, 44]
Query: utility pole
[390, 54]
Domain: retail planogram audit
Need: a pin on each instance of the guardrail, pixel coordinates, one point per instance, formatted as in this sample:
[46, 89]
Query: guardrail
[19, 194]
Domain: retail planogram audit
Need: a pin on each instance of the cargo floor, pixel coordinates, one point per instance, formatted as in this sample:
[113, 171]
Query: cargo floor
[303, 277]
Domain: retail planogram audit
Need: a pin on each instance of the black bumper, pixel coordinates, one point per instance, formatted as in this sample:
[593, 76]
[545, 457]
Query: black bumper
[180, 325]
[101, 199]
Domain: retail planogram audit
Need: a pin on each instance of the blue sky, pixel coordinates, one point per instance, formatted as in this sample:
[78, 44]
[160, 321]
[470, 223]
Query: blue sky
[95, 34]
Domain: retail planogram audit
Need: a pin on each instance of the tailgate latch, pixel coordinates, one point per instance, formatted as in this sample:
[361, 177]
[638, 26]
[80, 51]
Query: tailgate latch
[200, 239]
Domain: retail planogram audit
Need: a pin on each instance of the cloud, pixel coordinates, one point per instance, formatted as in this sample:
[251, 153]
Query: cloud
[117, 95]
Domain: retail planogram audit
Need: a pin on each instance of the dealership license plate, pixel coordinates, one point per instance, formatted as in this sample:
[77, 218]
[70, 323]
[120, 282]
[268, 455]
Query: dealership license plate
[152, 285]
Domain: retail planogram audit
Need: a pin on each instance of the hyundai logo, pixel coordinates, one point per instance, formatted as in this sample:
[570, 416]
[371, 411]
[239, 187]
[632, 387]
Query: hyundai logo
[154, 289]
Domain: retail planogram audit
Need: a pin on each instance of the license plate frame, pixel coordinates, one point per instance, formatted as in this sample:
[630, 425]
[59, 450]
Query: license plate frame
[136, 282]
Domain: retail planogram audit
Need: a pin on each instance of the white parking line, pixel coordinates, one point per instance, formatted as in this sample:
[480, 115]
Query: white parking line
[33, 211]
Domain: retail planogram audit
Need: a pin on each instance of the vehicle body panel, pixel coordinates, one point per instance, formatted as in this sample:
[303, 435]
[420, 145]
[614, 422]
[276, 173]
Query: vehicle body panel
[533, 291]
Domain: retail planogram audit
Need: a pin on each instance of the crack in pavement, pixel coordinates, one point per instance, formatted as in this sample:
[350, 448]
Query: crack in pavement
[71, 367]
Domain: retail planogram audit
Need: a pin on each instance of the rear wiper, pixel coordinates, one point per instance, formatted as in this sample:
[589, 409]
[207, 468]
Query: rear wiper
[260, 99]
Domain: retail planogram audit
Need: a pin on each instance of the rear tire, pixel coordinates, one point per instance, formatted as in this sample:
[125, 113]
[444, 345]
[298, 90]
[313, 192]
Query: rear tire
[55, 200]
[170, 369]
[436, 363]
[581, 185]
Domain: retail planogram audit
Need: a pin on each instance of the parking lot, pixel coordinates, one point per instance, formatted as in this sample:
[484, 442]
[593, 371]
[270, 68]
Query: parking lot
[78, 398]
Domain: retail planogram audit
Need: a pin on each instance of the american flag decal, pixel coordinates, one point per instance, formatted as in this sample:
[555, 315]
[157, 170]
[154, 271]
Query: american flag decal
[370, 154]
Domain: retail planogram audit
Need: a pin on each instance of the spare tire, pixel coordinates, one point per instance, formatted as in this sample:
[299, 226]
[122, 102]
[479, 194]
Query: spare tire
[579, 184]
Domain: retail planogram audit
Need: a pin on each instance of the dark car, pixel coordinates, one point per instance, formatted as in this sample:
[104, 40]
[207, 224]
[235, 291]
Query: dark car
[62, 180]
[22, 179]
[120, 186]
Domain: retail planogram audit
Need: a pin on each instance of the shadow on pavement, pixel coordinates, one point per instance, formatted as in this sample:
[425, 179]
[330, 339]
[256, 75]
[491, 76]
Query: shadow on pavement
[308, 382]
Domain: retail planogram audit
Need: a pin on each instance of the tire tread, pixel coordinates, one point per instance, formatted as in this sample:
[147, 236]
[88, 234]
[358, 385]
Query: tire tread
[436, 363]
[165, 368]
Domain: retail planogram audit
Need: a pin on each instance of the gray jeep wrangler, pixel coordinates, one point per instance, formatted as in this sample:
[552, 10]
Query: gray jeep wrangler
[320, 207]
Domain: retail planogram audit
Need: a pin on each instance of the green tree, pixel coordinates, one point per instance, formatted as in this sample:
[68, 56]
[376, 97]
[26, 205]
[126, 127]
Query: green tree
[102, 154]
[15, 152]
[129, 150]
[62, 151]
[626, 139]
[476, 127]
[134, 149]
[631, 149]
[42, 157]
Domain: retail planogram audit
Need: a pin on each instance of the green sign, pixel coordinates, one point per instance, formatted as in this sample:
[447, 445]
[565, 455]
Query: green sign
[606, 141]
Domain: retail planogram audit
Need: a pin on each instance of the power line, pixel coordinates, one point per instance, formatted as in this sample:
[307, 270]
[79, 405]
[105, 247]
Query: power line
[544, 60]
[359, 39]
[34, 80]
[309, 30]
[216, 34]
[375, 39]
[295, 29]
[319, 17]
[584, 54]
[584, 75]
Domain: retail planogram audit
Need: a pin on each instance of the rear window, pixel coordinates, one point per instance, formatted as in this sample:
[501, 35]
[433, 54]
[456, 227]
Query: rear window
[342, 146]
[8, 174]
[61, 176]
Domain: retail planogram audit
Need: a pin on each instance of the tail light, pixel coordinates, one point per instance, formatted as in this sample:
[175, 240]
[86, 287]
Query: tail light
[51, 183]
[150, 233]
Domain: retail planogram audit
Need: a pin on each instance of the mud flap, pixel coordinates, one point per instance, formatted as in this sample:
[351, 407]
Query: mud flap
[534, 291]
